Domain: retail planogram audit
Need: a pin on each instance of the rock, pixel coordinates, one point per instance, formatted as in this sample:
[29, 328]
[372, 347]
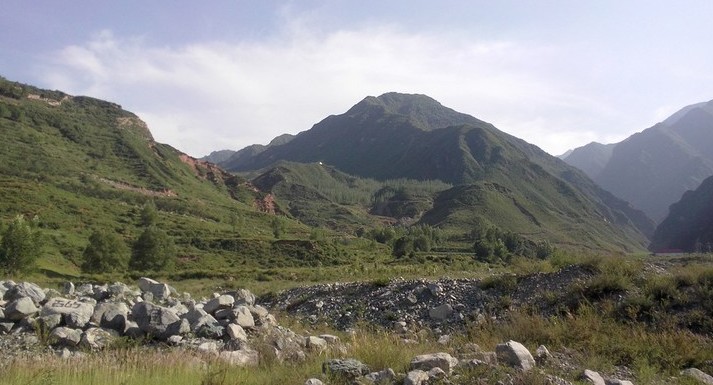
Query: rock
[158, 321]
[20, 308]
[444, 339]
[258, 312]
[385, 376]
[25, 289]
[158, 290]
[84, 290]
[416, 377]
[97, 338]
[243, 317]
[68, 288]
[132, 330]
[49, 322]
[112, 315]
[63, 336]
[314, 381]
[208, 347]
[6, 327]
[242, 357]
[331, 339]
[119, 290]
[426, 362]
[243, 297]
[222, 302]
[236, 332]
[515, 355]
[542, 354]
[193, 315]
[52, 293]
[208, 327]
[316, 344]
[698, 375]
[101, 292]
[348, 369]
[593, 377]
[436, 374]
[175, 340]
[441, 313]
[613, 381]
[75, 314]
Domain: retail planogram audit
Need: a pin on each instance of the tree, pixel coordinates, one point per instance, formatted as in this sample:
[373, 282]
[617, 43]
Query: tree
[149, 214]
[278, 227]
[106, 252]
[153, 250]
[20, 246]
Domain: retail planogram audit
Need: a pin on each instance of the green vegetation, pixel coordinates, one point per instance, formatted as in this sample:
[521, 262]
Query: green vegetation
[20, 246]
[106, 252]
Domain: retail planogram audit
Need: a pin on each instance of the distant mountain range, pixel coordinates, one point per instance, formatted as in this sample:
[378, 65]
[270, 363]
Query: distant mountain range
[653, 168]
[496, 178]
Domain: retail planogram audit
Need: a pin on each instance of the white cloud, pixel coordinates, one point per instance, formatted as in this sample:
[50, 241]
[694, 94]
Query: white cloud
[208, 96]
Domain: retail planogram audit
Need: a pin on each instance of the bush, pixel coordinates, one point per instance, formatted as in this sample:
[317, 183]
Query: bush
[106, 252]
[20, 246]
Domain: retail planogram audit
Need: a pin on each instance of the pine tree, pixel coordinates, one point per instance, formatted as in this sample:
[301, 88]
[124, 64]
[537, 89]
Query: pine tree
[20, 246]
[154, 250]
[106, 252]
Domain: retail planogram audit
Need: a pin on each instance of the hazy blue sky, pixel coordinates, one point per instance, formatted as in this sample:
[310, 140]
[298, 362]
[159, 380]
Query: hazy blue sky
[225, 74]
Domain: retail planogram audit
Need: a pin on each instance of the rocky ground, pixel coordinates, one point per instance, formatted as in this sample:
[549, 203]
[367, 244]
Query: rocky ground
[236, 327]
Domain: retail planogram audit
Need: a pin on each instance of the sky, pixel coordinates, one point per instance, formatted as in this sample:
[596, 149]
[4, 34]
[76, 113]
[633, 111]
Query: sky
[223, 74]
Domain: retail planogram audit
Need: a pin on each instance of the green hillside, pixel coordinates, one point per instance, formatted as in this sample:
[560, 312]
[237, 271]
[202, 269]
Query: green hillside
[80, 164]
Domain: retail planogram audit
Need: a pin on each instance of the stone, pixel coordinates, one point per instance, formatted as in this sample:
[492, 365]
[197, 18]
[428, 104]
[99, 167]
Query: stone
[444, 339]
[385, 376]
[119, 290]
[25, 289]
[243, 297]
[175, 340]
[436, 374]
[157, 289]
[101, 292]
[49, 322]
[441, 313]
[316, 344]
[222, 302]
[236, 332]
[84, 290]
[112, 315]
[158, 321]
[193, 315]
[416, 377]
[614, 381]
[515, 355]
[331, 339]
[348, 369]
[243, 317]
[314, 381]
[6, 327]
[20, 308]
[698, 375]
[75, 314]
[593, 377]
[68, 288]
[97, 338]
[258, 312]
[542, 354]
[64, 336]
[242, 357]
[132, 330]
[208, 347]
[426, 362]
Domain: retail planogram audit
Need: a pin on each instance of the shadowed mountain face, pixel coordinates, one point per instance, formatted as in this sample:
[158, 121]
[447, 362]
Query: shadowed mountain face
[499, 179]
[653, 168]
[689, 225]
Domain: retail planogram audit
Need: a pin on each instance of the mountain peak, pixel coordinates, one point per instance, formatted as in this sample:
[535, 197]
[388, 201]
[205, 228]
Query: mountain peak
[422, 110]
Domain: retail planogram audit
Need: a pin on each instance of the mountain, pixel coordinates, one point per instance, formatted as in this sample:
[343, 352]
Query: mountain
[498, 178]
[591, 158]
[653, 168]
[82, 164]
[218, 156]
[689, 225]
